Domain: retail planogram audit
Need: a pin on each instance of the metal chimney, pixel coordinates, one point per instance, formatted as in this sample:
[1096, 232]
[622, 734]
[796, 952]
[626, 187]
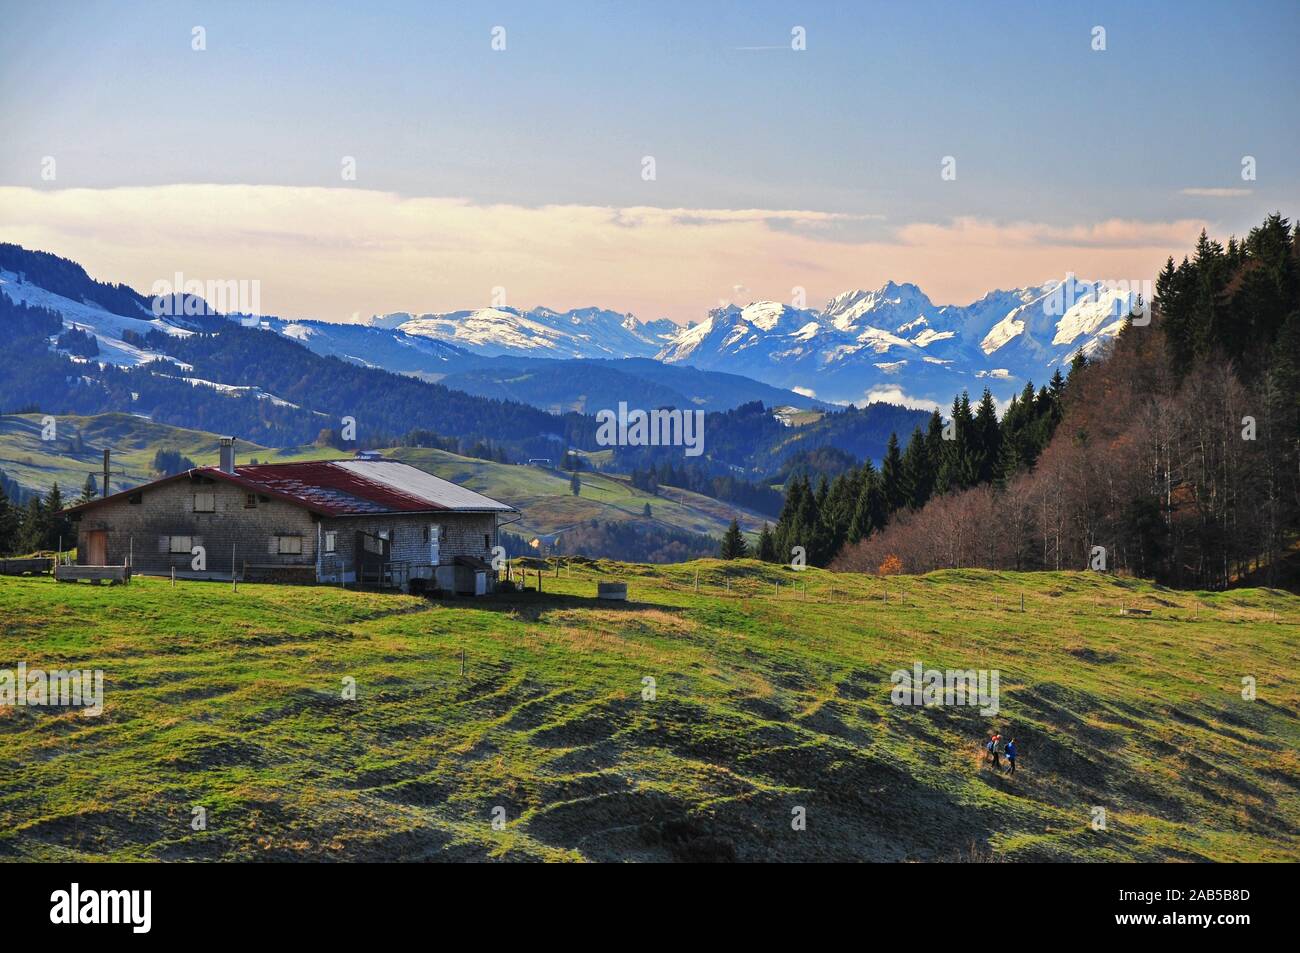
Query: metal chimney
[227, 455]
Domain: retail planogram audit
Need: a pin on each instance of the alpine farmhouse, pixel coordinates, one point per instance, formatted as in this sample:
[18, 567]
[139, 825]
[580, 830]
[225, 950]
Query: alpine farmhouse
[366, 520]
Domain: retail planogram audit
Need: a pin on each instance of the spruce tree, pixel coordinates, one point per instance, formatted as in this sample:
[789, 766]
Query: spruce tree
[934, 455]
[891, 475]
[9, 524]
[917, 477]
[783, 537]
[1007, 464]
[986, 439]
[34, 527]
[733, 543]
[766, 545]
[957, 467]
[58, 528]
[872, 508]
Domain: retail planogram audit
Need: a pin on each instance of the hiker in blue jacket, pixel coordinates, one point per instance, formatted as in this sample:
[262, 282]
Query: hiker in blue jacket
[1011, 754]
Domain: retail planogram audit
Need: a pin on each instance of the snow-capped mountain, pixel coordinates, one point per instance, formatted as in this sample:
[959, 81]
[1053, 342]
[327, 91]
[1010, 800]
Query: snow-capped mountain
[373, 347]
[895, 343]
[540, 332]
[891, 343]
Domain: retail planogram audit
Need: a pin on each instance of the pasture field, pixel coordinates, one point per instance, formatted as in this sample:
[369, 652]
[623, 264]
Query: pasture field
[699, 720]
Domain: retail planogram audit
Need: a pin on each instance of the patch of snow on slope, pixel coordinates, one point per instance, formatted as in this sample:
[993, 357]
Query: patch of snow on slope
[1005, 330]
[764, 315]
[807, 332]
[1090, 312]
[929, 336]
[236, 390]
[881, 341]
[106, 326]
[299, 332]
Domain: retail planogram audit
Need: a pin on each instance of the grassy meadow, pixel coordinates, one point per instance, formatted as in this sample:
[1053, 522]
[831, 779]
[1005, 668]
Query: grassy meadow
[771, 693]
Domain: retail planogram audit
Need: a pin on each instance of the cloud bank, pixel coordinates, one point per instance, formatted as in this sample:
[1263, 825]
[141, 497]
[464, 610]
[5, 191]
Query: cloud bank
[338, 253]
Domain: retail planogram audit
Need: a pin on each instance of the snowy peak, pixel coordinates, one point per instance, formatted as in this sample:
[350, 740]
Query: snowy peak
[891, 305]
[540, 332]
[1067, 313]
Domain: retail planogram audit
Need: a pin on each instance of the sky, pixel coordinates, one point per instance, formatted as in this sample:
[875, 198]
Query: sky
[522, 173]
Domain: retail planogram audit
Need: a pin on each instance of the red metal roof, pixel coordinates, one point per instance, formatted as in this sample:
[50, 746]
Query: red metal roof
[332, 490]
[343, 488]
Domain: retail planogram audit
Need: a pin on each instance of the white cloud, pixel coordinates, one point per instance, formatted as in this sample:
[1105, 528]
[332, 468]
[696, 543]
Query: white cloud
[1217, 193]
[895, 395]
[332, 252]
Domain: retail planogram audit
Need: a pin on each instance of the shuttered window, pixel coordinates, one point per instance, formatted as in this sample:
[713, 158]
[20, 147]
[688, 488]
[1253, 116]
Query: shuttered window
[290, 545]
[205, 502]
[181, 544]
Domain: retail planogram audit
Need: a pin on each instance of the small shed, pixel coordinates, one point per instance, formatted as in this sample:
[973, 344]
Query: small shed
[466, 576]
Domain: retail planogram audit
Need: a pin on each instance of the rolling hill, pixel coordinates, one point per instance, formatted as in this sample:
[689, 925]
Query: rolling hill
[543, 496]
[768, 704]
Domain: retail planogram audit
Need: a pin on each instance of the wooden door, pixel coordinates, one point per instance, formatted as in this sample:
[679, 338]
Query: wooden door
[96, 548]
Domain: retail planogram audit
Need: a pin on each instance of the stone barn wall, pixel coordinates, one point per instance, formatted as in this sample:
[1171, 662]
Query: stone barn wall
[144, 529]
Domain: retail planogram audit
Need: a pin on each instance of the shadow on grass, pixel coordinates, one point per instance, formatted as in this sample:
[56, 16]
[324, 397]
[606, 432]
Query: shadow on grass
[530, 605]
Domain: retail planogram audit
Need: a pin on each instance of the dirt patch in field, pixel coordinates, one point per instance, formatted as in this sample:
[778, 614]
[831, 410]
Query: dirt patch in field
[96, 831]
[207, 752]
[610, 826]
[585, 726]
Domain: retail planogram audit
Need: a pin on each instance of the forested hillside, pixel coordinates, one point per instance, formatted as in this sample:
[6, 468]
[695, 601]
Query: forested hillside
[860, 502]
[1175, 457]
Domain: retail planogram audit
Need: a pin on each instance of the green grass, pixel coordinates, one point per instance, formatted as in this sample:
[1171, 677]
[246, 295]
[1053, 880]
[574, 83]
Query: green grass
[767, 699]
[37, 464]
[543, 496]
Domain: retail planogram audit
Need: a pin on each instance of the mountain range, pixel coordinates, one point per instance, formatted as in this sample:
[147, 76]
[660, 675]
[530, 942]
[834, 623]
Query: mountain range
[890, 344]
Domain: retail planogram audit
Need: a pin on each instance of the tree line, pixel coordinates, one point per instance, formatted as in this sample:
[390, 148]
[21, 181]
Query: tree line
[1177, 457]
[39, 525]
[972, 448]
[725, 487]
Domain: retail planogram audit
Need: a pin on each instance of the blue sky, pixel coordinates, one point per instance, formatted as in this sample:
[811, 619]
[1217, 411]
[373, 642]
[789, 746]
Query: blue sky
[1044, 129]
